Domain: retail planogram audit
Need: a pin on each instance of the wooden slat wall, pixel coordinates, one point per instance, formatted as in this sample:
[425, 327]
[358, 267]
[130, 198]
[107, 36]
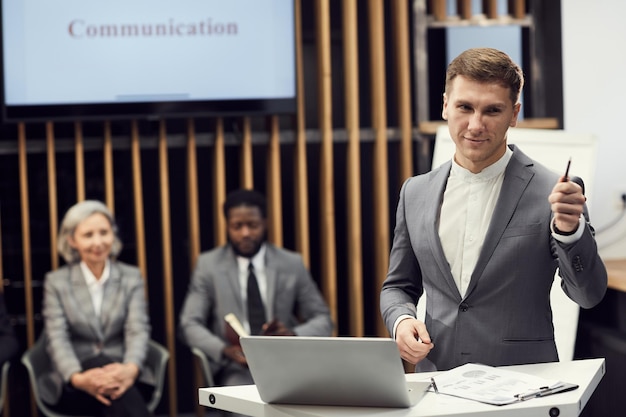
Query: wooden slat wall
[352, 298]
[440, 13]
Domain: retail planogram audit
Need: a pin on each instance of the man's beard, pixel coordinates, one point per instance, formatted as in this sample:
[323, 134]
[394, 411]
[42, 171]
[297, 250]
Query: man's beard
[249, 254]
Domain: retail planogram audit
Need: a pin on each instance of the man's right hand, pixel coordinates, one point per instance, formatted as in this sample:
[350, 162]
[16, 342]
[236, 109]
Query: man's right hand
[234, 353]
[413, 340]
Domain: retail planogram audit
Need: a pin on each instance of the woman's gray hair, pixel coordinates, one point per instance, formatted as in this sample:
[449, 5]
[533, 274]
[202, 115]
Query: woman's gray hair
[73, 217]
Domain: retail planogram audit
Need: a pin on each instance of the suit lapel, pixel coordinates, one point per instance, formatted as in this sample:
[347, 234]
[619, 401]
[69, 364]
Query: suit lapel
[516, 179]
[436, 188]
[229, 269]
[110, 298]
[271, 275]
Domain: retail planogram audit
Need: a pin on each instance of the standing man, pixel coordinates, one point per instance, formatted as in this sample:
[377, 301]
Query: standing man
[483, 235]
[222, 283]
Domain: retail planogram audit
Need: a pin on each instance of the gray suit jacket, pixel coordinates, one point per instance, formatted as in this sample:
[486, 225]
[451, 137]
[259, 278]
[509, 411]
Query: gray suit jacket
[214, 291]
[505, 317]
[74, 333]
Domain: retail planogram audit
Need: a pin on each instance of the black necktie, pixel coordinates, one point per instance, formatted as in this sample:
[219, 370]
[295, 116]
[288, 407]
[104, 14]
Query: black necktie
[256, 311]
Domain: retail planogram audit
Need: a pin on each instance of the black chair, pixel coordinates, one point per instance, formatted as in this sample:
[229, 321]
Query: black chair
[206, 367]
[37, 363]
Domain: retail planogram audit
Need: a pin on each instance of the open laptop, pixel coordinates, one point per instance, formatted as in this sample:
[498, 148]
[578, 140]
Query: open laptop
[347, 371]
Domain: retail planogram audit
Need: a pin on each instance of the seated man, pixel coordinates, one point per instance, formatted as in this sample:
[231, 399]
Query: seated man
[223, 282]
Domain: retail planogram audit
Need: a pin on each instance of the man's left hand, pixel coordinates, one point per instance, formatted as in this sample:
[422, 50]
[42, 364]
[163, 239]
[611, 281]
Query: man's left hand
[567, 203]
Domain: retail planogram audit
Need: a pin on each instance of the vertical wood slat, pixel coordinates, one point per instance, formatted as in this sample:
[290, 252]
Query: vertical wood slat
[246, 174]
[380, 165]
[52, 194]
[79, 150]
[438, 10]
[301, 189]
[192, 194]
[26, 244]
[464, 8]
[420, 59]
[490, 8]
[400, 22]
[517, 8]
[108, 167]
[219, 184]
[140, 231]
[353, 168]
[168, 291]
[274, 184]
[327, 209]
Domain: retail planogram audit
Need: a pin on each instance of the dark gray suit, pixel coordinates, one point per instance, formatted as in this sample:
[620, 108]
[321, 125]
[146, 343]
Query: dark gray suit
[214, 291]
[75, 334]
[505, 317]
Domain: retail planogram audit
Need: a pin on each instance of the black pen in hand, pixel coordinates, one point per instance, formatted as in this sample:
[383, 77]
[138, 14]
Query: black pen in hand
[566, 175]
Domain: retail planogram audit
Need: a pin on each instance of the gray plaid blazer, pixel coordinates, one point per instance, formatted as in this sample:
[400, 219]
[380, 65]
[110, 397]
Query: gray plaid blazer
[75, 334]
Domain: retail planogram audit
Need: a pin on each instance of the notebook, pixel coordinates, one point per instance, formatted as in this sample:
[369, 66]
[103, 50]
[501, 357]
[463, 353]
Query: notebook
[348, 371]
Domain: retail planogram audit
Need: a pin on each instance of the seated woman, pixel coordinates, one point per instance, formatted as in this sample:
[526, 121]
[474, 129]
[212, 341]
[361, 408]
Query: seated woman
[95, 321]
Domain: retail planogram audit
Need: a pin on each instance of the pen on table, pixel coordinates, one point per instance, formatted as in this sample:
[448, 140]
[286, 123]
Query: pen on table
[534, 393]
[566, 176]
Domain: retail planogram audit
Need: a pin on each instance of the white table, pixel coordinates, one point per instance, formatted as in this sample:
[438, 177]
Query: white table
[244, 399]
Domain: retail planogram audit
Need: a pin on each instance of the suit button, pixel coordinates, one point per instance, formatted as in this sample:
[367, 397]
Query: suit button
[577, 263]
[464, 307]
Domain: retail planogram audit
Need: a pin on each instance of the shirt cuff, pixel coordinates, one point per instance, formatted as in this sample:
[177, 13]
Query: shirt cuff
[398, 320]
[569, 239]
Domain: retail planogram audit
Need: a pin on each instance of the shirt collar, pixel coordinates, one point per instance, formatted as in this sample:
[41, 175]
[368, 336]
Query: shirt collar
[90, 278]
[258, 260]
[490, 172]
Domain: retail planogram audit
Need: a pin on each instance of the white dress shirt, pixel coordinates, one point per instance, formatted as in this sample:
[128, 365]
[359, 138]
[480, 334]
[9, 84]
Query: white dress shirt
[95, 285]
[466, 211]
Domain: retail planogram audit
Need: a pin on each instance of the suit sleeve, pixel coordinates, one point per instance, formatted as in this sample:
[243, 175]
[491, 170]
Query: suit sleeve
[195, 313]
[56, 326]
[403, 285]
[584, 277]
[312, 307]
[137, 322]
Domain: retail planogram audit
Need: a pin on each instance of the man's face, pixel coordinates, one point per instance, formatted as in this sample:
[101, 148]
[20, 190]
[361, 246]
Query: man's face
[479, 116]
[246, 230]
